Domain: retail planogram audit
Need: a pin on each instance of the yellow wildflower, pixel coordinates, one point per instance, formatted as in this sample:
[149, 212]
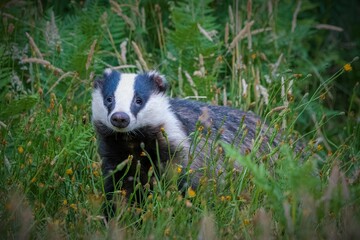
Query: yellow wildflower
[69, 171]
[96, 173]
[95, 165]
[167, 232]
[179, 169]
[150, 197]
[319, 147]
[73, 206]
[20, 150]
[246, 221]
[347, 67]
[65, 202]
[200, 128]
[123, 192]
[191, 192]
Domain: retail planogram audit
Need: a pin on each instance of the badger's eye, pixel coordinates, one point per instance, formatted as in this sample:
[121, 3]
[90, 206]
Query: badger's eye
[138, 101]
[109, 99]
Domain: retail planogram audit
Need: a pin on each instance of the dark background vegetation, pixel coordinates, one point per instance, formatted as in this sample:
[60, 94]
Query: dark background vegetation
[51, 52]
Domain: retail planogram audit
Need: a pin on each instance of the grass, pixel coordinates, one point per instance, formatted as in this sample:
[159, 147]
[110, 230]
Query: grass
[266, 58]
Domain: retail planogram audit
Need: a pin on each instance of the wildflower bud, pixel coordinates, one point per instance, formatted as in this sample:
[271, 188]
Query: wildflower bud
[188, 204]
[137, 187]
[150, 172]
[121, 165]
[147, 186]
[138, 167]
[40, 91]
[163, 132]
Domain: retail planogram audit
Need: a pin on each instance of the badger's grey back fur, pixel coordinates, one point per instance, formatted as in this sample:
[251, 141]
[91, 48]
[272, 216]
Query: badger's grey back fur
[220, 124]
[132, 114]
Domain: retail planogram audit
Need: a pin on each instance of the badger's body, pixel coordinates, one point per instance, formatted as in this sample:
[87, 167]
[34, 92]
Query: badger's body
[133, 117]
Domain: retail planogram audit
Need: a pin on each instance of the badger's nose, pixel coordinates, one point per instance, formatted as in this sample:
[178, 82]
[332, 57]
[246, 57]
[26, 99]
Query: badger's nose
[120, 120]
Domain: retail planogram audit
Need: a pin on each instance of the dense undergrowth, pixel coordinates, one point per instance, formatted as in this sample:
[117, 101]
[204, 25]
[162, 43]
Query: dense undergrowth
[291, 62]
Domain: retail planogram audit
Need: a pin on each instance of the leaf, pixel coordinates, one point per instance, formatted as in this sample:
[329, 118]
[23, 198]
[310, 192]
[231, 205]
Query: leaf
[18, 106]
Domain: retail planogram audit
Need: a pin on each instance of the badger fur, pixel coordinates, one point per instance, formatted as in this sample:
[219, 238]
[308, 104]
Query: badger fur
[132, 115]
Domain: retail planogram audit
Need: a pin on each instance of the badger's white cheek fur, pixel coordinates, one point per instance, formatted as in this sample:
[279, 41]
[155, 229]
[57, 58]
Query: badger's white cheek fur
[99, 111]
[157, 112]
[154, 113]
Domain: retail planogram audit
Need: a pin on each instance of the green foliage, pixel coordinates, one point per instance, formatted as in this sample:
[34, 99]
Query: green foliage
[284, 66]
[188, 43]
[19, 106]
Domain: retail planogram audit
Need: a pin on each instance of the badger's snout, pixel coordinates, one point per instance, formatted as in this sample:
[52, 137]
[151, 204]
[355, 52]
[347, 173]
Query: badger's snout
[120, 120]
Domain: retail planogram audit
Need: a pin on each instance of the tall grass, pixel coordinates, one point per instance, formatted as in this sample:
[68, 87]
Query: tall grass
[266, 57]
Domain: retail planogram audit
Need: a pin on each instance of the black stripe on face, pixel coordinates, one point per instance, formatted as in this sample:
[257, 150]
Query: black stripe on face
[143, 88]
[110, 83]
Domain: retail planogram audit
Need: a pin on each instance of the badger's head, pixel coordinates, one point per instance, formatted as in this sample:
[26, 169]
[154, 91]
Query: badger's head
[125, 102]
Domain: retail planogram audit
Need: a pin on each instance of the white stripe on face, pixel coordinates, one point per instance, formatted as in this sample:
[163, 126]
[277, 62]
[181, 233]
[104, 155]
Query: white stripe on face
[99, 111]
[124, 95]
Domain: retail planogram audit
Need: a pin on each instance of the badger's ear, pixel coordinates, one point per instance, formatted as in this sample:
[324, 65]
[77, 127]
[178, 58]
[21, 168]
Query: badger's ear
[159, 81]
[98, 83]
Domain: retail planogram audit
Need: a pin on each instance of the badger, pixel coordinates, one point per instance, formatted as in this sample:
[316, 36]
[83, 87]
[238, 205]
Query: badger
[135, 122]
